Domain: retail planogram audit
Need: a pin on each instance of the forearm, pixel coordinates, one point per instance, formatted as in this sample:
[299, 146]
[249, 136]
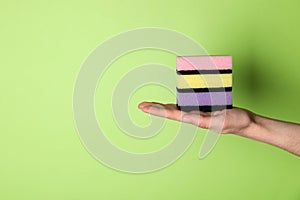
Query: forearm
[278, 133]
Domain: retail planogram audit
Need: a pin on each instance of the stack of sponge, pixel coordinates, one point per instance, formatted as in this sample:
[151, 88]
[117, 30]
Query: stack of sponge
[204, 83]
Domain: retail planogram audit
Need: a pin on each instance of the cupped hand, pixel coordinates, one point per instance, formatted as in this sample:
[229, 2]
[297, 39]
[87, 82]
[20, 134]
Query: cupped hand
[234, 120]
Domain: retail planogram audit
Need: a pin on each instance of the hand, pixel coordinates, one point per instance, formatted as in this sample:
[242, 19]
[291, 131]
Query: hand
[238, 121]
[234, 120]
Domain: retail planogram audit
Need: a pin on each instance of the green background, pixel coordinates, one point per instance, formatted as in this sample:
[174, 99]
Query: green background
[43, 44]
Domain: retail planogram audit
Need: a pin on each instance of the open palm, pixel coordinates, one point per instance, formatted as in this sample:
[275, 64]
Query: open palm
[225, 121]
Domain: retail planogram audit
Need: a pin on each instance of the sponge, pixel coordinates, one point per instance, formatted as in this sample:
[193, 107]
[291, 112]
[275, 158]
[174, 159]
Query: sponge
[204, 83]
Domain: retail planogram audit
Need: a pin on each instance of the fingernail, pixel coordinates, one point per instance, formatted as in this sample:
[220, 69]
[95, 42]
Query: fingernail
[141, 105]
[145, 108]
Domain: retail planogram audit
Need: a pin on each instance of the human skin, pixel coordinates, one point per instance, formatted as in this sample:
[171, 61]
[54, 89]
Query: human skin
[238, 121]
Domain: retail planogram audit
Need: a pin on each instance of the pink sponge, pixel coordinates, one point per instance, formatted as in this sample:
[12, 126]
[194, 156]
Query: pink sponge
[203, 63]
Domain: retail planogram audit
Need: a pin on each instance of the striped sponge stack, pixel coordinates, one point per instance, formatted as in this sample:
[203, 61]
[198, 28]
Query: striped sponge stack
[204, 83]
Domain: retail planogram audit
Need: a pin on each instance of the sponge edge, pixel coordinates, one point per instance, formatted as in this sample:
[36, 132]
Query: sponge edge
[204, 108]
[203, 62]
[204, 83]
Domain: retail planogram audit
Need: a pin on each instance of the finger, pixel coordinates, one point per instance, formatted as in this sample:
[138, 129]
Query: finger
[170, 106]
[200, 113]
[202, 121]
[218, 112]
[169, 111]
[146, 103]
[143, 104]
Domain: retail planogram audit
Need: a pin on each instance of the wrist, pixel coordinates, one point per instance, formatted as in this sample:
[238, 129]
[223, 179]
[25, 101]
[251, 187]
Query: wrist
[256, 129]
[252, 127]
